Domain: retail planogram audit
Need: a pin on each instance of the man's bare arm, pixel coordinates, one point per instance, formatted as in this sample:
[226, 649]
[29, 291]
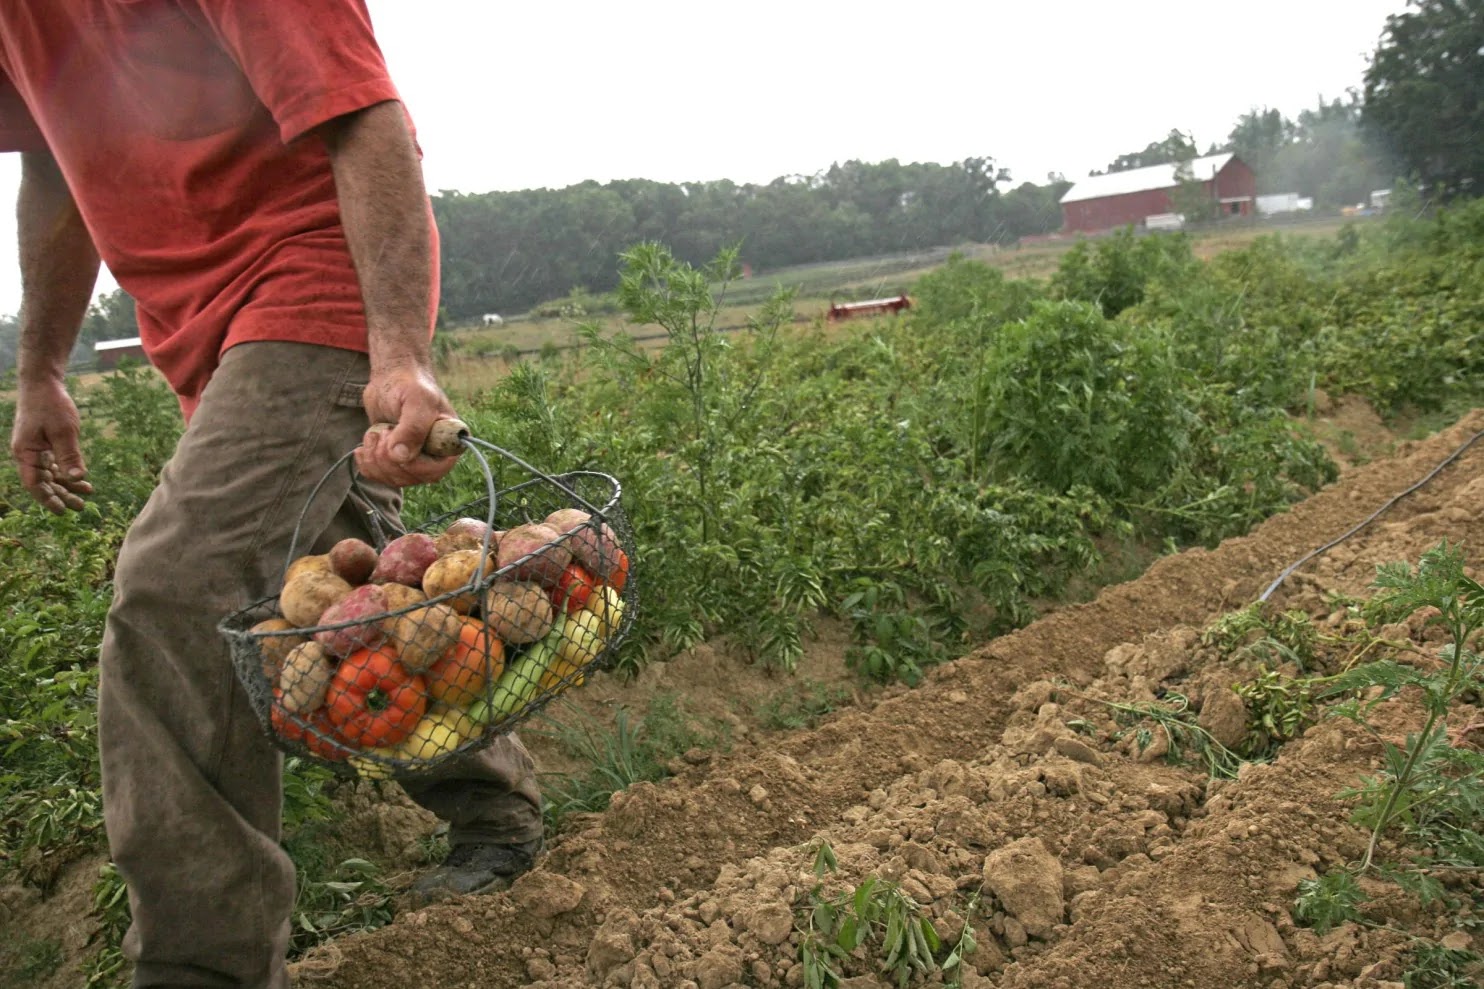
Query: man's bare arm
[59, 267]
[384, 210]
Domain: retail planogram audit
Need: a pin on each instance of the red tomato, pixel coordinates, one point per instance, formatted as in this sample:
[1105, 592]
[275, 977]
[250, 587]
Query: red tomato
[458, 678]
[573, 588]
[313, 731]
[373, 700]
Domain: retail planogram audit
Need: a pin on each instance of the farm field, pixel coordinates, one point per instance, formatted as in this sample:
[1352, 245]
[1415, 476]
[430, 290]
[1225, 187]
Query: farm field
[815, 285]
[1114, 868]
[951, 666]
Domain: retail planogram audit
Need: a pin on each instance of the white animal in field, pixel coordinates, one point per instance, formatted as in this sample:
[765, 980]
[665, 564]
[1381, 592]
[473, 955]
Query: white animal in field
[493, 319]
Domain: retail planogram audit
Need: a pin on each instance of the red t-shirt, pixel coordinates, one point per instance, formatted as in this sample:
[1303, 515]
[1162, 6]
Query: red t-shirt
[182, 129]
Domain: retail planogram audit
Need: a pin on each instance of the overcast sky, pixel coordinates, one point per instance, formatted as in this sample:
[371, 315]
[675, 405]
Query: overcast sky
[517, 96]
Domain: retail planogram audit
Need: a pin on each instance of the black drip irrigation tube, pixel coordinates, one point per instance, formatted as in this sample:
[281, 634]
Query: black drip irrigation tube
[1288, 571]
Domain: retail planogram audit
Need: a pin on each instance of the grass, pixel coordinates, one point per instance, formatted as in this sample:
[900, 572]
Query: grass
[628, 753]
[799, 705]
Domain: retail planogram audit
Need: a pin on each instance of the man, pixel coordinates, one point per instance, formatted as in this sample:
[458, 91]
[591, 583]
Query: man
[247, 173]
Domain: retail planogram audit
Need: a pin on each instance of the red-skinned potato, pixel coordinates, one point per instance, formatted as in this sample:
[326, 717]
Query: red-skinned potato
[307, 596]
[353, 560]
[365, 602]
[469, 527]
[594, 545]
[546, 566]
[405, 560]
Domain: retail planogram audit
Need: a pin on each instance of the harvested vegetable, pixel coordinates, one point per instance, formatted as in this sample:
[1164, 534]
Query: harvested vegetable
[373, 700]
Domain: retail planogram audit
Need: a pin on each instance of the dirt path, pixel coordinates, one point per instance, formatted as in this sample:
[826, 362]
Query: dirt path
[1091, 865]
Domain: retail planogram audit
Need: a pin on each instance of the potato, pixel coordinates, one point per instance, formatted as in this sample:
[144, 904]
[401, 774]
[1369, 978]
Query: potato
[275, 648]
[517, 612]
[593, 544]
[424, 635]
[308, 564]
[365, 602]
[399, 596]
[452, 542]
[452, 572]
[353, 560]
[405, 559]
[548, 561]
[307, 596]
[469, 527]
[306, 678]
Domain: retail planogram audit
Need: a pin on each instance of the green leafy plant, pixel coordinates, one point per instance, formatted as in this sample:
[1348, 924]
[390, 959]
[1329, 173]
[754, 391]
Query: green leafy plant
[800, 705]
[105, 968]
[1272, 638]
[350, 897]
[1279, 708]
[1432, 966]
[875, 915]
[1184, 740]
[1328, 901]
[1428, 785]
[615, 759]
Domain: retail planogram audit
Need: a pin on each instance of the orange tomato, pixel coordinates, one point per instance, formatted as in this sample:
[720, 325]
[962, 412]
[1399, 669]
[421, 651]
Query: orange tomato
[459, 676]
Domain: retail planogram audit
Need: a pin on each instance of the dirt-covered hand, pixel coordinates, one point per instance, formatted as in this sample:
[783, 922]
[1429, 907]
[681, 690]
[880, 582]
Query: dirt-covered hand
[44, 443]
[408, 396]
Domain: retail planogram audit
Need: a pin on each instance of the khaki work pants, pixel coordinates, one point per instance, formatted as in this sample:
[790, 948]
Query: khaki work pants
[191, 786]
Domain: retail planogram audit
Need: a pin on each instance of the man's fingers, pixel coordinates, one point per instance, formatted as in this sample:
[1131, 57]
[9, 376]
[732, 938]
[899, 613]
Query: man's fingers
[374, 460]
[53, 487]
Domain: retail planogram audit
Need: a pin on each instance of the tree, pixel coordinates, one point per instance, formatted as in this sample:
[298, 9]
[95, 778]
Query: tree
[1424, 93]
[1177, 146]
[1260, 136]
[1190, 198]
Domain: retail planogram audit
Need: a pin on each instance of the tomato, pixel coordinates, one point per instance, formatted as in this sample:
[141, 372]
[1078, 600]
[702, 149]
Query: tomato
[619, 575]
[373, 700]
[573, 588]
[313, 731]
[459, 676]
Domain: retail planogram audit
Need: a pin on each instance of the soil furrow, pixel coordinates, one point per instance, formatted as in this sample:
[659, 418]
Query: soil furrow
[977, 759]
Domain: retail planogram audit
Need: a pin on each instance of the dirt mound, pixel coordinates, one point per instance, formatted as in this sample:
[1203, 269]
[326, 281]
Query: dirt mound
[1000, 796]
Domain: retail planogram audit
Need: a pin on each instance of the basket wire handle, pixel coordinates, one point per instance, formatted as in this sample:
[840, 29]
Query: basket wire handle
[473, 444]
[447, 438]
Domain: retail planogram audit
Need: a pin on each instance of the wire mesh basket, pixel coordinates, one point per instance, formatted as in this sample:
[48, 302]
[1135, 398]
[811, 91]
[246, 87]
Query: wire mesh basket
[392, 658]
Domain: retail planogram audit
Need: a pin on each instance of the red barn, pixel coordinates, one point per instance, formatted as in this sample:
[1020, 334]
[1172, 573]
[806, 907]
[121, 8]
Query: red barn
[1117, 199]
[108, 353]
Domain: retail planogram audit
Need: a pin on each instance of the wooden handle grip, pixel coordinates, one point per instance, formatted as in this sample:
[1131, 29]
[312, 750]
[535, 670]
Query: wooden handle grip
[445, 439]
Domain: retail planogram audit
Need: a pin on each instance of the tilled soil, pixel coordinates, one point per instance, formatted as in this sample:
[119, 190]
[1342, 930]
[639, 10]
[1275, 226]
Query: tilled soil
[1000, 793]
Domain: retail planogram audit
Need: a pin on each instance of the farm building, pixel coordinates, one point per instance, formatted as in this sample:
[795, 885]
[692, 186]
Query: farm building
[1117, 199]
[108, 353]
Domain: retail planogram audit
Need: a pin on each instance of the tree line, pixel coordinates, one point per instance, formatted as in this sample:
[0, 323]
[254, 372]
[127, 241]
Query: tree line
[1418, 117]
[507, 251]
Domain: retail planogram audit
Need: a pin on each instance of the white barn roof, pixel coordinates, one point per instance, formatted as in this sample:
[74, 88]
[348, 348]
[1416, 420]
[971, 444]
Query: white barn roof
[1144, 179]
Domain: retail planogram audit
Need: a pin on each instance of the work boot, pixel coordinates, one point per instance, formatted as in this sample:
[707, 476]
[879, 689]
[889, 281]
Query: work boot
[476, 868]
